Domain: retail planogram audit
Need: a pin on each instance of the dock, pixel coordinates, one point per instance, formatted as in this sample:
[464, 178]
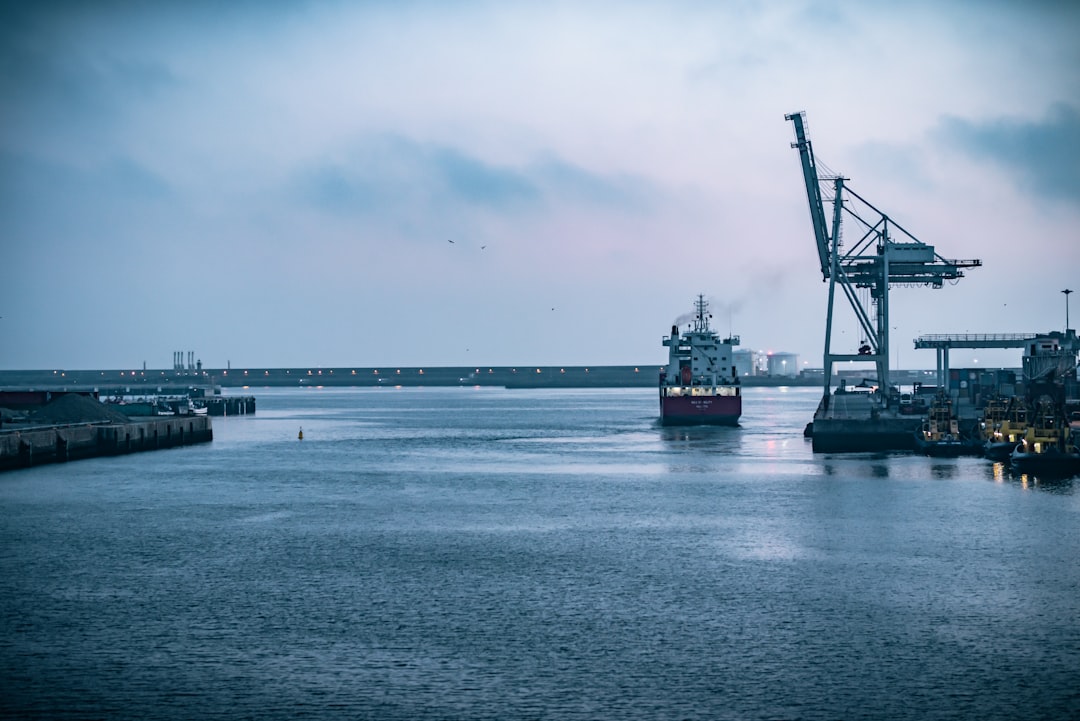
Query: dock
[849, 422]
[22, 446]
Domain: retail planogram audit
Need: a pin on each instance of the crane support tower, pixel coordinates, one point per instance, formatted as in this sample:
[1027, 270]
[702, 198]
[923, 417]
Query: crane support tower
[873, 262]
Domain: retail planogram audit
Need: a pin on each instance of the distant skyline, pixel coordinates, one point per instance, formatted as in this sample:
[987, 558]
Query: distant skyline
[275, 184]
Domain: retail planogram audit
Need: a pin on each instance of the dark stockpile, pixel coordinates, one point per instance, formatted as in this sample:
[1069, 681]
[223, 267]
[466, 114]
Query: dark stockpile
[76, 408]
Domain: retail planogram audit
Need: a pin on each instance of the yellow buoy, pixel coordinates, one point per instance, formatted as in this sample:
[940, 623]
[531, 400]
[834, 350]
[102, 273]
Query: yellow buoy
[301, 434]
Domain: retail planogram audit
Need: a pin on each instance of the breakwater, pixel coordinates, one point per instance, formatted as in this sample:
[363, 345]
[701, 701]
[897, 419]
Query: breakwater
[151, 382]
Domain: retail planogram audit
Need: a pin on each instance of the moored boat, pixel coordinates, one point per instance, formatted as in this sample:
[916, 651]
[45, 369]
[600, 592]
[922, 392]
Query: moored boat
[1048, 448]
[940, 435]
[1002, 434]
[1051, 461]
[699, 384]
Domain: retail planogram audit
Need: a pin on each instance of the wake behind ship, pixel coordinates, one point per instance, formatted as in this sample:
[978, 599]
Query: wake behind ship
[699, 385]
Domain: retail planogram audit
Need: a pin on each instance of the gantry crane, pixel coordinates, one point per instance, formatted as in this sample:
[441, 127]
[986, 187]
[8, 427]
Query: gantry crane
[874, 261]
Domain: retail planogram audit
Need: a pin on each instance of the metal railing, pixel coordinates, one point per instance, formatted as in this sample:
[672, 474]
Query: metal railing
[969, 340]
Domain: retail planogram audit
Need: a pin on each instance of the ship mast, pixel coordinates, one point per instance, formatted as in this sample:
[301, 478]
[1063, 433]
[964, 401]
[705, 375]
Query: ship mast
[701, 322]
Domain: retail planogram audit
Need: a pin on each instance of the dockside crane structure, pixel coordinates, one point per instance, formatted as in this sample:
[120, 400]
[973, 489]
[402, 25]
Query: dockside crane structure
[874, 261]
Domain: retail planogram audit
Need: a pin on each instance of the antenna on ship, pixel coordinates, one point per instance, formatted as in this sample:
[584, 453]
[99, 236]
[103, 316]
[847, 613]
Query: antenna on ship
[701, 324]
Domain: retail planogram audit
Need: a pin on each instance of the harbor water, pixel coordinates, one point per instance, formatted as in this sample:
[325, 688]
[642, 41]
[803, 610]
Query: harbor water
[482, 553]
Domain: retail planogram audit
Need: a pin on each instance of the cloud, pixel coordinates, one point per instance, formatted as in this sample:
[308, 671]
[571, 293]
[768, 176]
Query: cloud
[475, 181]
[389, 171]
[28, 181]
[1043, 155]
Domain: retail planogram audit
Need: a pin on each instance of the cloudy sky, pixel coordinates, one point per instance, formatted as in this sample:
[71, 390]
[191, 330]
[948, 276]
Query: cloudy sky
[276, 184]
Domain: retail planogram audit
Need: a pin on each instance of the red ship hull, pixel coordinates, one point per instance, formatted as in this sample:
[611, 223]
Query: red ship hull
[700, 410]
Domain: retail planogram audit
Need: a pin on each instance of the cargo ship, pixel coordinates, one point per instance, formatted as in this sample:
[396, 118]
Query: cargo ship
[699, 384]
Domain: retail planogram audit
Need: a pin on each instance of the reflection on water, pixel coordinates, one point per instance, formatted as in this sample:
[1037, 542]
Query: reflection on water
[712, 439]
[1050, 484]
[944, 470]
[857, 465]
[1003, 473]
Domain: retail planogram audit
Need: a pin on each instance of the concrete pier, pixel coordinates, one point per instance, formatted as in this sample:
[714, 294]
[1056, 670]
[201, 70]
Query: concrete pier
[855, 421]
[846, 422]
[22, 447]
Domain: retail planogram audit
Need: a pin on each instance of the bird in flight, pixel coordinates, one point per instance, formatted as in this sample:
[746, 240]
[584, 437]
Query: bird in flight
[449, 241]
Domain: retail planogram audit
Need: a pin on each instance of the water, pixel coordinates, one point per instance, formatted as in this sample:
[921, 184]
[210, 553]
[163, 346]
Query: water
[466, 553]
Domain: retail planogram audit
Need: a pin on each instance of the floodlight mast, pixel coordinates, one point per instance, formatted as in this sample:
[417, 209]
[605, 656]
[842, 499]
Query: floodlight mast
[873, 262]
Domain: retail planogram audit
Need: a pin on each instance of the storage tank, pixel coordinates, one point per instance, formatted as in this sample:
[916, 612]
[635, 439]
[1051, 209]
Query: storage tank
[784, 364]
[748, 362]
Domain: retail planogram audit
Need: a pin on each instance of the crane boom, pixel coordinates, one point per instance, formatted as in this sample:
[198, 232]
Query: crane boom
[813, 190]
[873, 262]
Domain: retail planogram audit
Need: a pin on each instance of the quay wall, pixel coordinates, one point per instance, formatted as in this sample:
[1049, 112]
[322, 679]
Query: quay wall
[36, 445]
[847, 435]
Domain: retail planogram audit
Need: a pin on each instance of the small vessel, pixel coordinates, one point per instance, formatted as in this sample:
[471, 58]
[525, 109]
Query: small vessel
[1004, 429]
[1048, 448]
[940, 433]
[699, 384]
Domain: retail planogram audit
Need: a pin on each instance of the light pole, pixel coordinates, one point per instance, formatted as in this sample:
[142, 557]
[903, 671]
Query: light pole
[1067, 291]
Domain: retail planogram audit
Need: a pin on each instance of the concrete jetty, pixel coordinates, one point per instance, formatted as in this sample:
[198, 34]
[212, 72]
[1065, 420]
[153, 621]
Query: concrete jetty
[53, 427]
[847, 422]
[30, 445]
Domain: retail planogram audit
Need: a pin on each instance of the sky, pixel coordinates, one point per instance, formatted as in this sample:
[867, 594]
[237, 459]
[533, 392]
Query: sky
[273, 184]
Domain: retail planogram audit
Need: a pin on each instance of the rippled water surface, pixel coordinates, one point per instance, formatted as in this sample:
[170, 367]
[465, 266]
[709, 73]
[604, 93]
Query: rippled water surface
[467, 553]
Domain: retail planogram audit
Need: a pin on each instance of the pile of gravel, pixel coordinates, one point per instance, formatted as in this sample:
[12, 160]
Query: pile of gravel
[9, 416]
[76, 408]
